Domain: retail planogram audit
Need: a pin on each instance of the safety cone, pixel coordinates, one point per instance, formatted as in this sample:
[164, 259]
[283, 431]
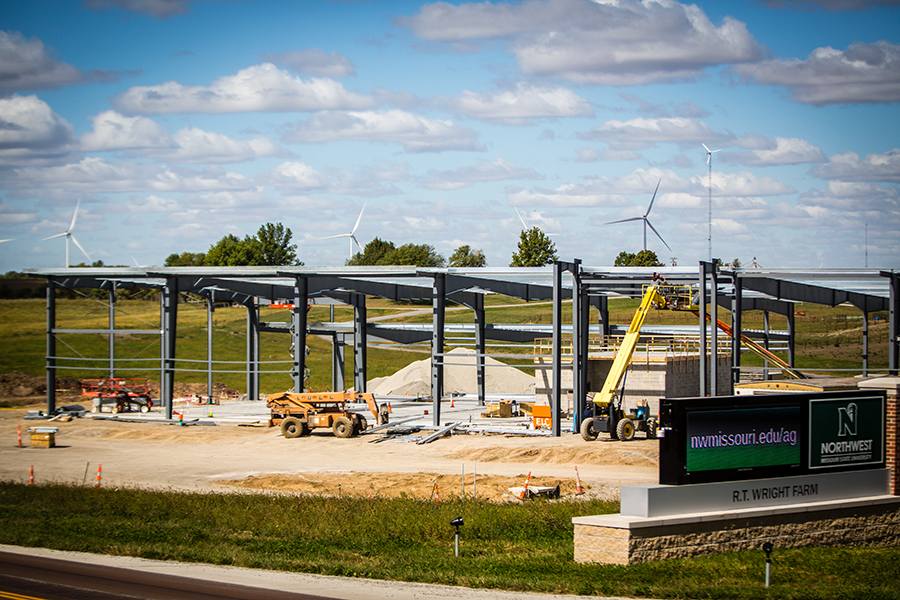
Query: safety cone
[31, 476]
[435, 493]
[181, 418]
[578, 490]
[451, 403]
[19, 435]
[390, 410]
[99, 469]
[524, 493]
[210, 412]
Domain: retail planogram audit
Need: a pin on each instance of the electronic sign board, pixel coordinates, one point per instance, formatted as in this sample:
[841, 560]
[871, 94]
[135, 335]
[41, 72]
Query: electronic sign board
[735, 438]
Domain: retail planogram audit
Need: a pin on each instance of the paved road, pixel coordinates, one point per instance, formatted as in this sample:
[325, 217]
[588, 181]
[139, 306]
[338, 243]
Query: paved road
[41, 574]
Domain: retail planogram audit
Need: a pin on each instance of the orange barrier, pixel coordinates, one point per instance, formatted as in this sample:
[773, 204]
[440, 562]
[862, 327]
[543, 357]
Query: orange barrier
[19, 435]
[31, 476]
[99, 469]
[578, 490]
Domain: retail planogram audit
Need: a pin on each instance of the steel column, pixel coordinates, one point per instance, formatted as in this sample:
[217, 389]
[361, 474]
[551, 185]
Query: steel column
[112, 328]
[792, 332]
[894, 323]
[714, 329]
[438, 297]
[704, 370]
[480, 346]
[210, 308]
[169, 327]
[556, 382]
[298, 332]
[337, 361]
[252, 349]
[51, 345]
[580, 317]
[865, 349]
[360, 343]
[736, 324]
[765, 344]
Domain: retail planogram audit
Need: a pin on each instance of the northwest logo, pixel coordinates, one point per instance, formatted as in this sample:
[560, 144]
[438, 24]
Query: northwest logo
[847, 420]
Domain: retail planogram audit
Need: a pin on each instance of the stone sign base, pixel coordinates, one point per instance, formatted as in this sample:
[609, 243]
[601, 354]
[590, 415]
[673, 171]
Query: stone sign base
[620, 539]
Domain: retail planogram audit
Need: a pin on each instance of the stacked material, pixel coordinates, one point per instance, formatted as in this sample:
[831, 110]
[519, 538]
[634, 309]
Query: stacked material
[459, 377]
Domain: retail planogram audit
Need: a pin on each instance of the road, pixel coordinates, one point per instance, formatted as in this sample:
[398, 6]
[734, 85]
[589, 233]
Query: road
[42, 574]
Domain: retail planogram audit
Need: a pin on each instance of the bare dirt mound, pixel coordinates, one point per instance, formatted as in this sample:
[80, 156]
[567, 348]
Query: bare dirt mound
[20, 385]
[640, 454]
[399, 485]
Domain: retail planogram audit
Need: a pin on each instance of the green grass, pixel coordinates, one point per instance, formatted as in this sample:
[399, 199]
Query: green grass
[516, 547]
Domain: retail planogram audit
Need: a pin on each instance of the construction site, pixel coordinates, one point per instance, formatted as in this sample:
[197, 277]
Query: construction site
[571, 406]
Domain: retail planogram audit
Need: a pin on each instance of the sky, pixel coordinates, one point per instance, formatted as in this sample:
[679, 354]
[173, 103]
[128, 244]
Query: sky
[169, 124]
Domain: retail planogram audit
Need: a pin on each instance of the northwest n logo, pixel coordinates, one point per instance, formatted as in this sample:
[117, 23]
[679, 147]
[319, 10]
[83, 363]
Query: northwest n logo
[847, 420]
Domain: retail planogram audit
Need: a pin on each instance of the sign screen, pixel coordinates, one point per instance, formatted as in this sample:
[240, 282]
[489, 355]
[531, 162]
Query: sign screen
[743, 438]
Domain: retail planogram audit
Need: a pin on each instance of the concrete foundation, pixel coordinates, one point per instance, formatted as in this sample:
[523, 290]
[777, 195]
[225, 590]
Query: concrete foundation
[624, 540]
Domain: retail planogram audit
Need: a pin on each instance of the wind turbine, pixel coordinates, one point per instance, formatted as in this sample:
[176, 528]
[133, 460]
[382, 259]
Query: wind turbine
[68, 234]
[352, 233]
[709, 154]
[646, 221]
[525, 225]
[9, 240]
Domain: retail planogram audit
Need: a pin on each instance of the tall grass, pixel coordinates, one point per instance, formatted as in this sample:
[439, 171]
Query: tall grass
[517, 547]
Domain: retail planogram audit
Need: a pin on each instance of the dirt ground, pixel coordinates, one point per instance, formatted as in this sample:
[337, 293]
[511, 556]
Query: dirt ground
[240, 458]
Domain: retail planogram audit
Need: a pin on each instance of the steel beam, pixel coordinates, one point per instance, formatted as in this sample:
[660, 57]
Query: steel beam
[556, 382]
[360, 342]
[714, 329]
[736, 310]
[704, 365]
[480, 347]
[169, 327]
[337, 362]
[51, 345]
[253, 348]
[438, 296]
[893, 323]
[210, 309]
[112, 330]
[298, 332]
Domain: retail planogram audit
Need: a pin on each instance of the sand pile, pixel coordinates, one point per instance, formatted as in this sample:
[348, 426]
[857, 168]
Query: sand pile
[459, 377]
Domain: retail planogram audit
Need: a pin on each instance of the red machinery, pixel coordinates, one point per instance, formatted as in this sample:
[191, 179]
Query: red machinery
[122, 393]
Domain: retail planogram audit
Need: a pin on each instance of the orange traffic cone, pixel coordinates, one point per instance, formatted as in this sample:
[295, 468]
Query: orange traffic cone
[19, 435]
[435, 493]
[578, 490]
[31, 476]
[524, 493]
[99, 469]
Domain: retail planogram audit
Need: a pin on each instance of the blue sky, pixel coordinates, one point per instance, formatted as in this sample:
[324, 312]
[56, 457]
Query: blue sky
[171, 123]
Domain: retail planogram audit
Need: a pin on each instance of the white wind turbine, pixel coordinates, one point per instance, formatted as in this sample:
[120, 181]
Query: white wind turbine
[352, 234]
[646, 221]
[709, 154]
[525, 225]
[9, 240]
[68, 234]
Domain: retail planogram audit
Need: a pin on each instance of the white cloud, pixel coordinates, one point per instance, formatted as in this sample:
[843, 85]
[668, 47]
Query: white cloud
[849, 167]
[862, 73]
[522, 104]
[313, 62]
[296, 176]
[161, 9]
[781, 151]
[95, 175]
[495, 170]
[144, 137]
[742, 184]
[610, 43]
[855, 197]
[26, 65]
[643, 133]
[600, 191]
[27, 122]
[417, 134]
[262, 87]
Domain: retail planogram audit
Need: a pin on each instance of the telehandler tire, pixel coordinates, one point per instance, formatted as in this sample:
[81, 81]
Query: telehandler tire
[292, 427]
[625, 430]
[343, 427]
[587, 430]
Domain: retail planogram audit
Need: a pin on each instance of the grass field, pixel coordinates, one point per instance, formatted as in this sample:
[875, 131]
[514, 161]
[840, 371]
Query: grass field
[827, 338]
[524, 546]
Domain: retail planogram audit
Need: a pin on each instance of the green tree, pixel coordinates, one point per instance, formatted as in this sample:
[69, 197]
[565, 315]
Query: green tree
[272, 246]
[644, 258]
[231, 251]
[371, 254]
[536, 249]
[186, 259]
[464, 256]
[420, 255]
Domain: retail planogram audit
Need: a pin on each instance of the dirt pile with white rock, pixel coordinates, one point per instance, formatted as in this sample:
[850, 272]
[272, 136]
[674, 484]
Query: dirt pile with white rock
[459, 377]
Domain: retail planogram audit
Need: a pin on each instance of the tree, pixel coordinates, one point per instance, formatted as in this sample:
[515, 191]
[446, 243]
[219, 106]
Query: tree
[231, 251]
[464, 256]
[371, 254]
[536, 249]
[420, 255]
[273, 247]
[186, 259]
[644, 258]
